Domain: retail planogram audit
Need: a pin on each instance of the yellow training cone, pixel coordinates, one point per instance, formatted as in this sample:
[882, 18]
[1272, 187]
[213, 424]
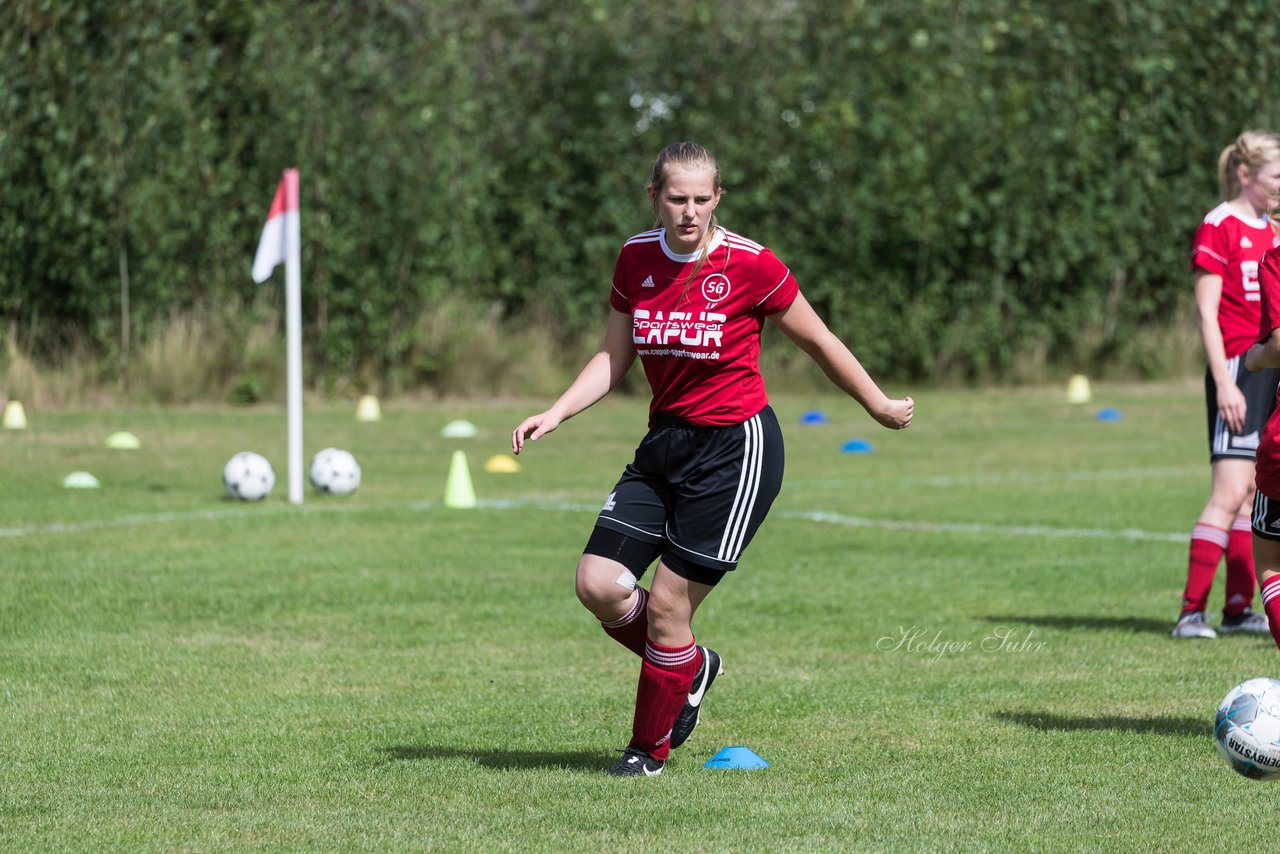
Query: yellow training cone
[80, 480]
[502, 464]
[460, 429]
[124, 441]
[368, 410]
[1078, 389]
[458, 491]
[14, 417]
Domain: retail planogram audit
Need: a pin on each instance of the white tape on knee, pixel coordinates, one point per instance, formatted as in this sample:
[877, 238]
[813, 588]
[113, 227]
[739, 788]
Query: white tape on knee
[626, 580]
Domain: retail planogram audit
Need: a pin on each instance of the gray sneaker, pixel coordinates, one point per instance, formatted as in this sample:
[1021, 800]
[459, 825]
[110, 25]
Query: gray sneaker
[1247, 621]
[1192, 625]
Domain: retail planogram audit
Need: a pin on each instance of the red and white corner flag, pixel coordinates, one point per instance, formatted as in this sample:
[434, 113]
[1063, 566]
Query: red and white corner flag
[281, 243]
[273, 246]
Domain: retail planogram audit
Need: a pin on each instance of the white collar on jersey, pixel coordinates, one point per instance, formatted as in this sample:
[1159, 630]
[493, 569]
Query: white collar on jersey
[716, 240]
[1253, 221]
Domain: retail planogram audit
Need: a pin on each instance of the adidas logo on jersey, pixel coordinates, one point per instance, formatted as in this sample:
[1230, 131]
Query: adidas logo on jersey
[647, 283]
[1245, 242]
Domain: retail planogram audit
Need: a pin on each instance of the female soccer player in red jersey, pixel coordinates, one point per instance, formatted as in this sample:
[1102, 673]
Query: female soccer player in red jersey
[690, 299]
[1227, 248]
[1263, 355]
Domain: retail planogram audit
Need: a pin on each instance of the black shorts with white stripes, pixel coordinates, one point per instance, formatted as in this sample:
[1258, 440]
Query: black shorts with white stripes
[1259, 390]
[1266, 517]
[698, 494]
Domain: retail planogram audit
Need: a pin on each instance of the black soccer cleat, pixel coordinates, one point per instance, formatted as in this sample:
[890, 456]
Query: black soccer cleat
[1247, 621]
[636, 763]
[687, 720]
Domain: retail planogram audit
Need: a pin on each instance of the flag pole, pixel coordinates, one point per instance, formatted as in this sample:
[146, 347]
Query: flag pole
[293, 338]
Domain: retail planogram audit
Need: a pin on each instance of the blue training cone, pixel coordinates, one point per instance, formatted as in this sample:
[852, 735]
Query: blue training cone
[736, 757]
[856, 446]
[1109, 414]
[814, 416]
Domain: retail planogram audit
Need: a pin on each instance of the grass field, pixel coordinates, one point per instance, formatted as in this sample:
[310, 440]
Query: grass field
[957, 642]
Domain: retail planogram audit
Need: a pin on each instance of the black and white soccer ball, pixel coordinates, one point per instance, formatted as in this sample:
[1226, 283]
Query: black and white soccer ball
[248, 476]
[334, 471]
[1247, 728]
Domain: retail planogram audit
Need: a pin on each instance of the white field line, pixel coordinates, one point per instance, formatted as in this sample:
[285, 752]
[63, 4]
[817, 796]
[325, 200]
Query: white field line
[818, 517]
[986, 530]
[1010, 477]
[157, 518]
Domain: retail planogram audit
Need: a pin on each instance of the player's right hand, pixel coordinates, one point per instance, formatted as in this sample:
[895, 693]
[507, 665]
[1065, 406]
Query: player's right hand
[1232, 406]
[532, 429]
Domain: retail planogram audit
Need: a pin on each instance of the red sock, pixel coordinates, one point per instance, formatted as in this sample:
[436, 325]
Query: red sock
[666, 675]
[1271, 604]
[1207, 545]
[632, 628]
[1240, 580]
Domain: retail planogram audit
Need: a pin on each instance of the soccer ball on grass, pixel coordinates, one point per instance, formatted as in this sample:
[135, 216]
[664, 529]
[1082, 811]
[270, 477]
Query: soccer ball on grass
[1247, 728]
[335, 471]
[248, 476]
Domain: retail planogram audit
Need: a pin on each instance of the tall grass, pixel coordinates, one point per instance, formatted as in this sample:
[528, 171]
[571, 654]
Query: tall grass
[236, 354]
[457, 347]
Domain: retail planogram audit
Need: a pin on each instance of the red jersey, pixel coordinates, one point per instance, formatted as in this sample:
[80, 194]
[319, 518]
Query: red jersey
[1230, 245]
[1267, 468]
[699, 339]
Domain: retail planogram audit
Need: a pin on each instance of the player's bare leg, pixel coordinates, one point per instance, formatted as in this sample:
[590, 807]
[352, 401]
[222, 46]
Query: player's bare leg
[1232, 485]
[613, 595]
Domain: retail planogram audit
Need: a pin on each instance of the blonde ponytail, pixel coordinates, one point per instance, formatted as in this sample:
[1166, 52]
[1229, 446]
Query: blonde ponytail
[1253, 149]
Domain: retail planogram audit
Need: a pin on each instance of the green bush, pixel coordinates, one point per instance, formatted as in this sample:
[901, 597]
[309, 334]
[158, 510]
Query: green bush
[966, 190]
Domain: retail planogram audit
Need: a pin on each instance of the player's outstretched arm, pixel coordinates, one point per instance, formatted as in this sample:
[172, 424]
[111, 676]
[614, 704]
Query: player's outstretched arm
[604, 371]
[803, 326]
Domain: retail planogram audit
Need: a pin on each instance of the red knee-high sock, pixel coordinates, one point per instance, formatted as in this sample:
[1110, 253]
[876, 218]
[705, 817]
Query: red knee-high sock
[665, 678]
[1207, 545]
[1271, 604]
[1240, 580]
[632, 628]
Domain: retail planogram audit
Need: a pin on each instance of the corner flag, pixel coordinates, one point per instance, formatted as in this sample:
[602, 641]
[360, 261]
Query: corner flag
[273, 248]
[281, 244]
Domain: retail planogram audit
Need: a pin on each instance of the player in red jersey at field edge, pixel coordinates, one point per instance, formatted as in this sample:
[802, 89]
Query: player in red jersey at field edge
[1225, 254]
[690, 299]
[1263, 356]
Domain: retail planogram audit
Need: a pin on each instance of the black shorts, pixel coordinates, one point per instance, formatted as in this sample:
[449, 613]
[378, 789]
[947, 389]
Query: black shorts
[1266, 517]
[695, 495]
[1259, 389]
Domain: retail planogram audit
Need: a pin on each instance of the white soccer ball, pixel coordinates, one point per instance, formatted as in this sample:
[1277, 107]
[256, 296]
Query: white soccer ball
[248, 476]
[335, 472]
[1247, 728]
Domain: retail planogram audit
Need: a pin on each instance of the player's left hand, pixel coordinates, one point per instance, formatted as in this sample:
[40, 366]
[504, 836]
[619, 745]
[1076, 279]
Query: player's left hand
[896, 414]
[1253, 358]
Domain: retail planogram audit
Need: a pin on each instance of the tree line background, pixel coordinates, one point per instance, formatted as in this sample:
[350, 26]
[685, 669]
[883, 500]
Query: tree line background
[970, 190]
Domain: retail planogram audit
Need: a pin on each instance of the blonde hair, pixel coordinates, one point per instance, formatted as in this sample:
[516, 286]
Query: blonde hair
[686, 155]
[1253, 149]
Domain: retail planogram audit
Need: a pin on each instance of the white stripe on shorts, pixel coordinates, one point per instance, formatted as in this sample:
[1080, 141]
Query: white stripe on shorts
[1222, 433]
[748, 487]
